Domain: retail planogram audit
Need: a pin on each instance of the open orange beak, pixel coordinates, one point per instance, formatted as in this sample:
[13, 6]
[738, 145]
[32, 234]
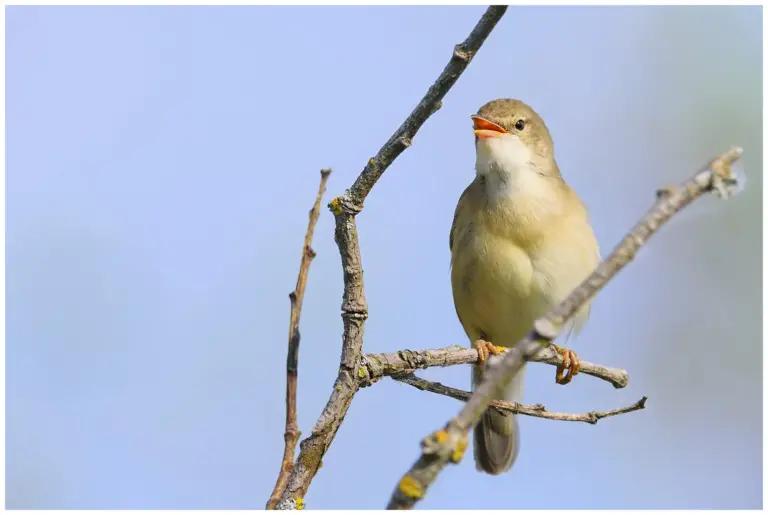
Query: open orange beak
[485, 129]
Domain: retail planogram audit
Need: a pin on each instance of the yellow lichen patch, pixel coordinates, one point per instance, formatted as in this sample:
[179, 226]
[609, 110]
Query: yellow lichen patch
[361, 373]
[458, 452]
[336, 206]
[441, 436]
[299, 503]
[371, 162]
[411, 488]
[338, 387]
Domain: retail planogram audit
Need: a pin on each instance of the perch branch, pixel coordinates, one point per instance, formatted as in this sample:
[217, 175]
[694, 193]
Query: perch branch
[449, 443]
[292, 432]
[407, 361]
[535, 410]
[354, 309]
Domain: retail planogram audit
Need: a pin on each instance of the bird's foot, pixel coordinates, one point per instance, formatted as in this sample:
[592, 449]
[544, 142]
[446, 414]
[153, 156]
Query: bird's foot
[571, 363]
[484, 350]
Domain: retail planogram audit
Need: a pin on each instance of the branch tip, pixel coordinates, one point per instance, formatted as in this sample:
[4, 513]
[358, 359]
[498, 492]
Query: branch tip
[460, 59]
[292, 433]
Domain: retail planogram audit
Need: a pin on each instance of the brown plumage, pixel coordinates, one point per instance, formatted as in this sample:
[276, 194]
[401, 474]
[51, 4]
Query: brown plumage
[520, 242]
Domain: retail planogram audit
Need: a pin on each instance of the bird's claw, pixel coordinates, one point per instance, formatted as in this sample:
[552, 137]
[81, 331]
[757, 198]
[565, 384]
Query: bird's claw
[571, 363]
[484, 350]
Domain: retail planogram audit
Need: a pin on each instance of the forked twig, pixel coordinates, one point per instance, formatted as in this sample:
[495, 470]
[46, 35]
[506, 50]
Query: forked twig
[354, 309]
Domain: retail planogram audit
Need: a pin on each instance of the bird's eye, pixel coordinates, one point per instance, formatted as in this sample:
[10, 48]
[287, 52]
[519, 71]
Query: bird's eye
[520, 125]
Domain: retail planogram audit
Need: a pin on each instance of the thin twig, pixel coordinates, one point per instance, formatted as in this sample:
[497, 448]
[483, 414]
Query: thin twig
[354, 309]
[449, 444]
[406, 361]
[432, 101]
[534, 410]
[292, 362]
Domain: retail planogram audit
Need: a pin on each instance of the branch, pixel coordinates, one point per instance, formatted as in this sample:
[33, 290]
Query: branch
[292, 432]
[451, 442]
[432, 101]
[408, 361]
[354, 309]
[536, 410]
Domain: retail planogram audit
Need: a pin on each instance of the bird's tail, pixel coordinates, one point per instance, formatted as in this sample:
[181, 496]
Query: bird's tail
[497, 435]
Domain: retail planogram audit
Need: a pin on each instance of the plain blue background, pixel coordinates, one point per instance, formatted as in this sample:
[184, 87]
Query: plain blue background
[160, 165]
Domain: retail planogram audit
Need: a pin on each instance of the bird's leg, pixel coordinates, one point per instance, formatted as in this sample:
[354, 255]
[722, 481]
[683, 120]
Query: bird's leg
[571, 363]
[484, 350]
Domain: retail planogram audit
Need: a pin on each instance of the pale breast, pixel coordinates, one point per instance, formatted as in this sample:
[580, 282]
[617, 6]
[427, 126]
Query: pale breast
[494, 287]
[502, 282]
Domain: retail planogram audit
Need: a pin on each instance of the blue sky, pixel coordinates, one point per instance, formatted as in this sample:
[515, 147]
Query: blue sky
[160, 165]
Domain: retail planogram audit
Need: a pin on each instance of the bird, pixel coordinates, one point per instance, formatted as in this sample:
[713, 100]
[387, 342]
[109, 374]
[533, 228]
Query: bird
[521, 241]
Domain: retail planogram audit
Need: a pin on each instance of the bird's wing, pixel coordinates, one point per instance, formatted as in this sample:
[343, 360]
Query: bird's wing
[461, 205]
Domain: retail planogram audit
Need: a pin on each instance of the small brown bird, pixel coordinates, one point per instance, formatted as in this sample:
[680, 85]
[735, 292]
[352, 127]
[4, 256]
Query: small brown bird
[520, 243]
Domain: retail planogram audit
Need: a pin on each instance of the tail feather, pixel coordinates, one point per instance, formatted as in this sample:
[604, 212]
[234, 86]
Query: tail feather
[497, 435]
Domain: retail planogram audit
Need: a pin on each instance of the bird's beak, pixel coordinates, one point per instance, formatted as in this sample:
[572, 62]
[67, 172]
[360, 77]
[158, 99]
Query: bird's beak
[485, 129]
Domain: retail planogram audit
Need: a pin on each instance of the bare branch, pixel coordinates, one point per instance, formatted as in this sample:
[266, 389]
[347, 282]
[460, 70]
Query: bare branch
[407, 361]
[449, 444]
[354, 308]
[314, 447]
[535, 410]
[432, 101]
[292, 362]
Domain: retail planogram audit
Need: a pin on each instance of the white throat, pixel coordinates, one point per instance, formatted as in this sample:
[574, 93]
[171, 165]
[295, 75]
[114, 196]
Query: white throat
[507, 165]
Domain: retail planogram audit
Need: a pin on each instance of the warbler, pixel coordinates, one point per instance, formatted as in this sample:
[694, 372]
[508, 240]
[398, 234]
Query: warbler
[520, 242]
